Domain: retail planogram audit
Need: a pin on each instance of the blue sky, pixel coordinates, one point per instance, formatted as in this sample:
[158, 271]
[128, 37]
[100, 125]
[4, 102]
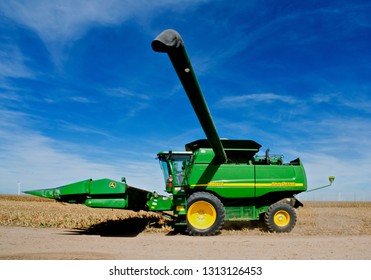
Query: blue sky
[82, 94]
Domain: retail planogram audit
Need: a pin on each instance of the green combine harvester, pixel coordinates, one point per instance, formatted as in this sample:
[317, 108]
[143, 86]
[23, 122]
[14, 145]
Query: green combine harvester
[212, 181]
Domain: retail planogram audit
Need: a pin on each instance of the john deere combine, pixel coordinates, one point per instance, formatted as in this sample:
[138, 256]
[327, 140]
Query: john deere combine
[212, 181]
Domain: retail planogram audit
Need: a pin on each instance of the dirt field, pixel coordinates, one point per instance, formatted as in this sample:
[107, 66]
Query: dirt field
[41, 229]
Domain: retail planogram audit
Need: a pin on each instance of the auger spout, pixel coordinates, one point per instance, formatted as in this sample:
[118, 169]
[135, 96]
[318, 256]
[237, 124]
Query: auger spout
[170, 42]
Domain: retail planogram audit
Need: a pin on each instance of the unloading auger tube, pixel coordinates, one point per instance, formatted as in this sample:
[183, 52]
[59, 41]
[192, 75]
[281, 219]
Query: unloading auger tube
[170, 42]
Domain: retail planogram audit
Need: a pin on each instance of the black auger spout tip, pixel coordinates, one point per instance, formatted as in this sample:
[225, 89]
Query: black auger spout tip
[167, 40]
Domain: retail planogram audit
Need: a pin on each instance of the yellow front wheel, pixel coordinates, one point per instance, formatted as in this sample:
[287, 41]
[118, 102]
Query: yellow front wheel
[280, 217]
[205, 214]
[201, 215]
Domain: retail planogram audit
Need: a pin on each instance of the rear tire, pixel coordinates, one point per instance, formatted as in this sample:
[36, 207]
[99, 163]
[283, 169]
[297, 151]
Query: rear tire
[280, 217]
[205, 214]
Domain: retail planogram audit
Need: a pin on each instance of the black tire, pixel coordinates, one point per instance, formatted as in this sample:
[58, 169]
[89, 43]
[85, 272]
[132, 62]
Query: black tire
[205, 214]
[280, 217]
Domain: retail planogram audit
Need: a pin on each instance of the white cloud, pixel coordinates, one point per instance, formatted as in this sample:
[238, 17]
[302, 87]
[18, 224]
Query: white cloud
[12, 63]
[38, 161]
[351, 178]
[359, 101]
[64, 20]
[81, 99]
[125, 93]
[242, 100]
[60, 21]
[335, 146]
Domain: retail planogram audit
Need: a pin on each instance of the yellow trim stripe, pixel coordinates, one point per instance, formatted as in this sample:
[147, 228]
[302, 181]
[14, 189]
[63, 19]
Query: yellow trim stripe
[272, 184]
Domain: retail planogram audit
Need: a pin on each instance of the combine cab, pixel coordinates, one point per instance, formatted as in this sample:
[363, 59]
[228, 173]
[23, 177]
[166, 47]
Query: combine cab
[212, 181]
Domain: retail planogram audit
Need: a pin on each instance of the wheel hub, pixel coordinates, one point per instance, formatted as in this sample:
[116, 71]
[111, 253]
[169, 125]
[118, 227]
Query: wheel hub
[282, 218]
[201, 215]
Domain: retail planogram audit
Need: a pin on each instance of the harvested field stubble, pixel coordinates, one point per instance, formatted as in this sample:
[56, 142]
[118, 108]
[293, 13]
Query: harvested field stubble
[38, 212]
[335, 218]
[315, 218]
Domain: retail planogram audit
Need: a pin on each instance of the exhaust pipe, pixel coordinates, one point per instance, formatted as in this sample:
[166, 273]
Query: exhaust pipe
[170, 42]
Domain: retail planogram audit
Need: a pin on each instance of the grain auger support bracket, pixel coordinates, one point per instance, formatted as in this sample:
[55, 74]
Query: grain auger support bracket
[331, 180]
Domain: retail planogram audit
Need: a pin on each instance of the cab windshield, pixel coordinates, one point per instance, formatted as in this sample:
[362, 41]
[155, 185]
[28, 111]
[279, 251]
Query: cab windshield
[174, 165]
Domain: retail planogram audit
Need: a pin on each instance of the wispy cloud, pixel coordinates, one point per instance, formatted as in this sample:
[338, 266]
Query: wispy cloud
[83, 129]
[359, 101]
[42, 162]
[65, 20]
[125, 93]
[349, 171]
[135, 102]
[82, 99]
[59, 24]
[242, 100]
[68, 20]
[12, 63]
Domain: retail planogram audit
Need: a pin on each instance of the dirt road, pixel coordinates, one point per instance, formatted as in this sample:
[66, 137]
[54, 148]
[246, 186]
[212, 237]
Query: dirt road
[45, 230]
[61, 244]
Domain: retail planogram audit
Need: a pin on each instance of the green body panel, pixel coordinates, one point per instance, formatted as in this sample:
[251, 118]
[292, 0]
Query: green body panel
[278, 178]
[107, 187]
[243, 180]
[226, 180]
[244, 213]
[180, 205]
[160, 203]
[107, 202]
